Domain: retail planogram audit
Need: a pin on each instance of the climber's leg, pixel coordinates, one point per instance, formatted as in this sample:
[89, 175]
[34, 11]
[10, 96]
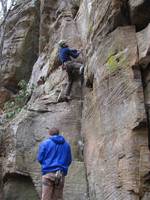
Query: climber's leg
[79, 69]
[75, 69]
[69, 87]
[69, 70]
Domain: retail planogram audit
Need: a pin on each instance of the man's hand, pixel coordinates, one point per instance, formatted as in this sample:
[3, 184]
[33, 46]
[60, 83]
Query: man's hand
[80, 50]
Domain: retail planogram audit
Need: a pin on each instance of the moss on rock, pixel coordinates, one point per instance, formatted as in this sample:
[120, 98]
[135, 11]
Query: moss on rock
[116, 60]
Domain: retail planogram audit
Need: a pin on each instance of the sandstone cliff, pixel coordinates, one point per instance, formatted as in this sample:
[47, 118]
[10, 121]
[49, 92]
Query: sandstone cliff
[110, 113]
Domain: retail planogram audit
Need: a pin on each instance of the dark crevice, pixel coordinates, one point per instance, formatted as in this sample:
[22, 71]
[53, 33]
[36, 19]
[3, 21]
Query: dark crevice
[12, 88]
[146, 178]
[18, 187]
[89, 82]
[40, 110]
[141, 16]
[123, 17]
[141, 125]
[9, 176]
[75, 10]
[136, 72]
[148, 123]
[145, 81]
[1, 160]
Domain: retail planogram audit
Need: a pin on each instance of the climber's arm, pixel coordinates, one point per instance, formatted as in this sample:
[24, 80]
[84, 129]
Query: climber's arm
[74, 53]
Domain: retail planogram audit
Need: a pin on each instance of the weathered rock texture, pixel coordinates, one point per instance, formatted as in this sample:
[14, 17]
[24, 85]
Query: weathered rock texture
[139, 11]
[29, 128]
[20, 46]
[116, 111]
[113, 123]
[108, 113]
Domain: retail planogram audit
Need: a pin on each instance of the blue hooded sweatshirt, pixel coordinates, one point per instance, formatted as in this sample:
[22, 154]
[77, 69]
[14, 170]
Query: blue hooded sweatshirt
[66, 53]
[54, 154]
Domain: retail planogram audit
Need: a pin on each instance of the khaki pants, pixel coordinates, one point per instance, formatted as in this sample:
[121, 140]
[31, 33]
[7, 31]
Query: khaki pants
[51, 191]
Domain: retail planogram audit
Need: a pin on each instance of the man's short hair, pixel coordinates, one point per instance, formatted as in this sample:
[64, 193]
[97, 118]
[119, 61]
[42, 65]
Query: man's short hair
[53, 131]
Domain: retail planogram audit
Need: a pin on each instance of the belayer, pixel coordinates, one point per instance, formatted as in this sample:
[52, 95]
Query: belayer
[55, 157]
[72, 67]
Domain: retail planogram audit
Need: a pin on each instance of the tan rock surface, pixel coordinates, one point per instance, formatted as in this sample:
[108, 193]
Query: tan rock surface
[108, 113]
[20, 45]
[112, 111]
[28, 129]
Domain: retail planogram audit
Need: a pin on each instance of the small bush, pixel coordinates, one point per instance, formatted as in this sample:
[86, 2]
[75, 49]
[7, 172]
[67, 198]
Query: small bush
[14, 106]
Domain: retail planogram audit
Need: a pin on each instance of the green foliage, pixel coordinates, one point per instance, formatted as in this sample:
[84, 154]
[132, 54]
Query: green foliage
[112, 63]
[117, 60]
[14, 106]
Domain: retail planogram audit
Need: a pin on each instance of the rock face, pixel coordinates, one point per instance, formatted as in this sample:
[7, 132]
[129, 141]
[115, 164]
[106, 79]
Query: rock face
[139, 11]
[20, 45]
[107, 113]
[116, 111]
[22, 145]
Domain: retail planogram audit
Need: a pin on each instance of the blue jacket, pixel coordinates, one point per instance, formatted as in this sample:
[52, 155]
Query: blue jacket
[54, 154]
[65, 54]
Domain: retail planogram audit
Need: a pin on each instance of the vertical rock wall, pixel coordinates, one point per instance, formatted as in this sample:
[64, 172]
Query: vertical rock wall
[114, 118]
[20, 47]
[108, 112]
[28, 129]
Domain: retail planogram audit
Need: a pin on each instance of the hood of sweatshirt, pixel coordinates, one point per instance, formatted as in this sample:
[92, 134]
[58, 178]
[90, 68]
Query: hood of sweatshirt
[58, 139]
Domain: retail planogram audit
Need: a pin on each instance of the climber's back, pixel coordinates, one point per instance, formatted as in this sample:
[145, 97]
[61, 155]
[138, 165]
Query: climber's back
[65, 53]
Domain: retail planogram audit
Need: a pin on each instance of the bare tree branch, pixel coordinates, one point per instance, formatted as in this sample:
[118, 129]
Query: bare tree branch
[5, 12]
[6, 5]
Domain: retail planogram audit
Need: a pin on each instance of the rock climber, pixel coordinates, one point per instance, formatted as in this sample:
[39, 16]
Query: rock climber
[55, 157]
[71, 66]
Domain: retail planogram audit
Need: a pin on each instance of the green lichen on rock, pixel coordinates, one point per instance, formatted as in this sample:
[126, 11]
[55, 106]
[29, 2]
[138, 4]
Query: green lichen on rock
[90, 27]
[116, 60]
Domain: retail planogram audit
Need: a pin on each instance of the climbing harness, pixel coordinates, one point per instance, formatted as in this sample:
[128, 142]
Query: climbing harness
[55, 177]
[58, 177]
